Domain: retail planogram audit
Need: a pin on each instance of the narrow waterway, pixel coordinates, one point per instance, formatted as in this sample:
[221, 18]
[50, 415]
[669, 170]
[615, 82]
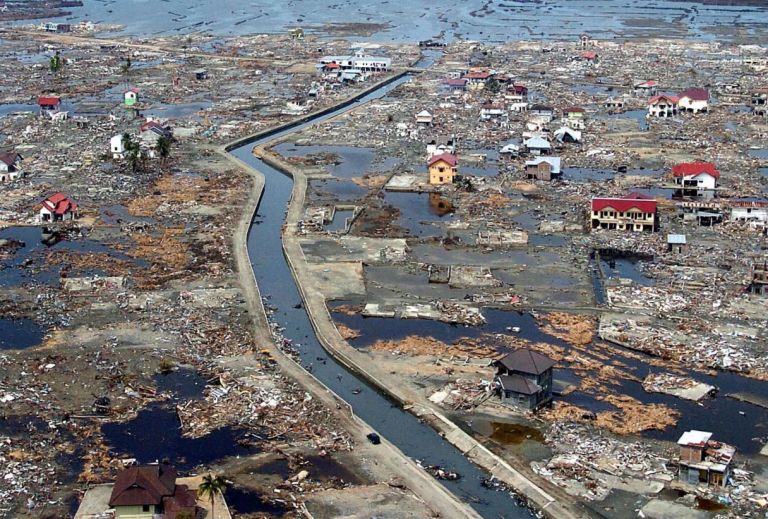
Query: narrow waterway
[414, 438]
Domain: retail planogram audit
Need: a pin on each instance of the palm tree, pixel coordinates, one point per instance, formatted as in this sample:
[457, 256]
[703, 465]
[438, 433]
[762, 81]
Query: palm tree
[163, 147]
[133, 152]
[211, 486]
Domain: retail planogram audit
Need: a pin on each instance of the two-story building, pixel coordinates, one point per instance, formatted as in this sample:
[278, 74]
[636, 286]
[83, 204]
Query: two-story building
[524, 379]
[704, 461]
[543, 168]
[358, 61]
[58, 208]
[636, 212]
[752, 212]
[442, 168]
[663, 105]
[693, 100]
[695, 179]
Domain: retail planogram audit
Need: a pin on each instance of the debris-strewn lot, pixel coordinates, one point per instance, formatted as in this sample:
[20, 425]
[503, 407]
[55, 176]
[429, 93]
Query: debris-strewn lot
[650, 335]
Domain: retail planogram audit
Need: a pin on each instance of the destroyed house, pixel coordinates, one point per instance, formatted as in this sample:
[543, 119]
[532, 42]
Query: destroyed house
[703, 212]
[10, 166]
[646, 87]
[58, 208]
[695, 179]
[152, 130]
[441, 144]
[704, 461]
[759, 283]
[477, 78]
[753, 212]
[760, 101]
[150, 492]
[636, 212]
[359, 61]
[524, 379]
[456, 84]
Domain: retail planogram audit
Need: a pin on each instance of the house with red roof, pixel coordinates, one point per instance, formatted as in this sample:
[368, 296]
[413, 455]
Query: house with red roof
[442, 168]
[58, 208]
[696, 179]
[477, 78]
[49, 105]
[693, 100]
[131, 96]
[663, 105]
[151, 491]
[647, 88]
[635, 212]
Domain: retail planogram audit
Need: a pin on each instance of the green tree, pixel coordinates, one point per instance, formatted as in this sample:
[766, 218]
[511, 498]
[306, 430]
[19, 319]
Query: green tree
[493, 85]
[133, 154]
[211, 486]
[163, 147]
[56, 63]
[126, 66]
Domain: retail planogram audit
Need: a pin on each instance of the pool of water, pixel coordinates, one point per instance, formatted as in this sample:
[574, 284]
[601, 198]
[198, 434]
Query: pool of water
[155, 435]
[19, 334]
[176, 111]
[353, 162]
[246, 501]
[419, 212]
[625, 268]
[587, 174]
[339, 220]
[182, 383]
[759, 153]
[335, 190]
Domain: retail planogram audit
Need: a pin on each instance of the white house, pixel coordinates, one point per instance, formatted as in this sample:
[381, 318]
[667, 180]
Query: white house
[424, 117]
[537, 145]
[696, 178]
[754, 212]
[359, 61]
[116, 147]
[57, 208]
[510, 150]
[131, 97]
[663, 105]
[694, 100]
[492, 111]
[10, 166]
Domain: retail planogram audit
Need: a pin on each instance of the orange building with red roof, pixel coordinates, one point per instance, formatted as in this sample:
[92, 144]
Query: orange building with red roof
[635, 212]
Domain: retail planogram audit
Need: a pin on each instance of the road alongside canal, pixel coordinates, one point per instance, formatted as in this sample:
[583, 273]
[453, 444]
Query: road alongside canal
[410, 437]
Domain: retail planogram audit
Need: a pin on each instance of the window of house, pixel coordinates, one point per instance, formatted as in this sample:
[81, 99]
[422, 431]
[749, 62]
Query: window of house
[145, 508]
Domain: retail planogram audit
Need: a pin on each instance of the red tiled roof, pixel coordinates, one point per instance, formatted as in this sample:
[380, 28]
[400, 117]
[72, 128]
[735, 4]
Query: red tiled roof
[145, 485]
[449, 158]
[696, 94]
[687, 169]
[58, 203]
[656, 99]
[648, 84]
[624, 204]
[588, 54]
[456, 82]
[573, 109]
[477, 75]
[48, 101]
[332, 65]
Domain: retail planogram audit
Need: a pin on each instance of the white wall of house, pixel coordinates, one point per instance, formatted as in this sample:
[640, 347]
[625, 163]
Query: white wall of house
[704, 180]
[749, 214]
[688, 104]
[116, 147]
[662, 109]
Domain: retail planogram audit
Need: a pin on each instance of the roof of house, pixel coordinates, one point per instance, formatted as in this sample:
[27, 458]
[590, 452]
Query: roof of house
[9, 158]
[670, 98]
[48, 101]
[573, 109]
[528, 361]
[133, 90]
[537, 142]
[588, 54]
[518, 384]
[456, 82]
[58, 203]
[541, 108]
[477, 74]
[695, 94]
[552, 161]
[687, 169]
[676, 239]
[448, 158]
[424, 113]
[624, 204]
[184, 497]
[646, 84]
[694, 438]
[144, 485]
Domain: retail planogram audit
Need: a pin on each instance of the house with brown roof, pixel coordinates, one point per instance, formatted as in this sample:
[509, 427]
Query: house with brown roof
[693, 100]
[150, 491]
[10, 166]
[704, 461]
[524, 379]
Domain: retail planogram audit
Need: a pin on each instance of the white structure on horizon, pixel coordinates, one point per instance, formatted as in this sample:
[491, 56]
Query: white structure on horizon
[360, 61]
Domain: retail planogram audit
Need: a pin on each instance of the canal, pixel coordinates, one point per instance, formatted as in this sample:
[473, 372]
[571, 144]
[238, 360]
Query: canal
[416, 439]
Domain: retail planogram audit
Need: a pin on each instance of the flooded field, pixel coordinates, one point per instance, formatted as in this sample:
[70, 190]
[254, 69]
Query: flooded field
[19, 334]
[474, 19]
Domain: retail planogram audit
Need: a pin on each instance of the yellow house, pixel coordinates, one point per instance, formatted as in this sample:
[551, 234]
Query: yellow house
[442, 168]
